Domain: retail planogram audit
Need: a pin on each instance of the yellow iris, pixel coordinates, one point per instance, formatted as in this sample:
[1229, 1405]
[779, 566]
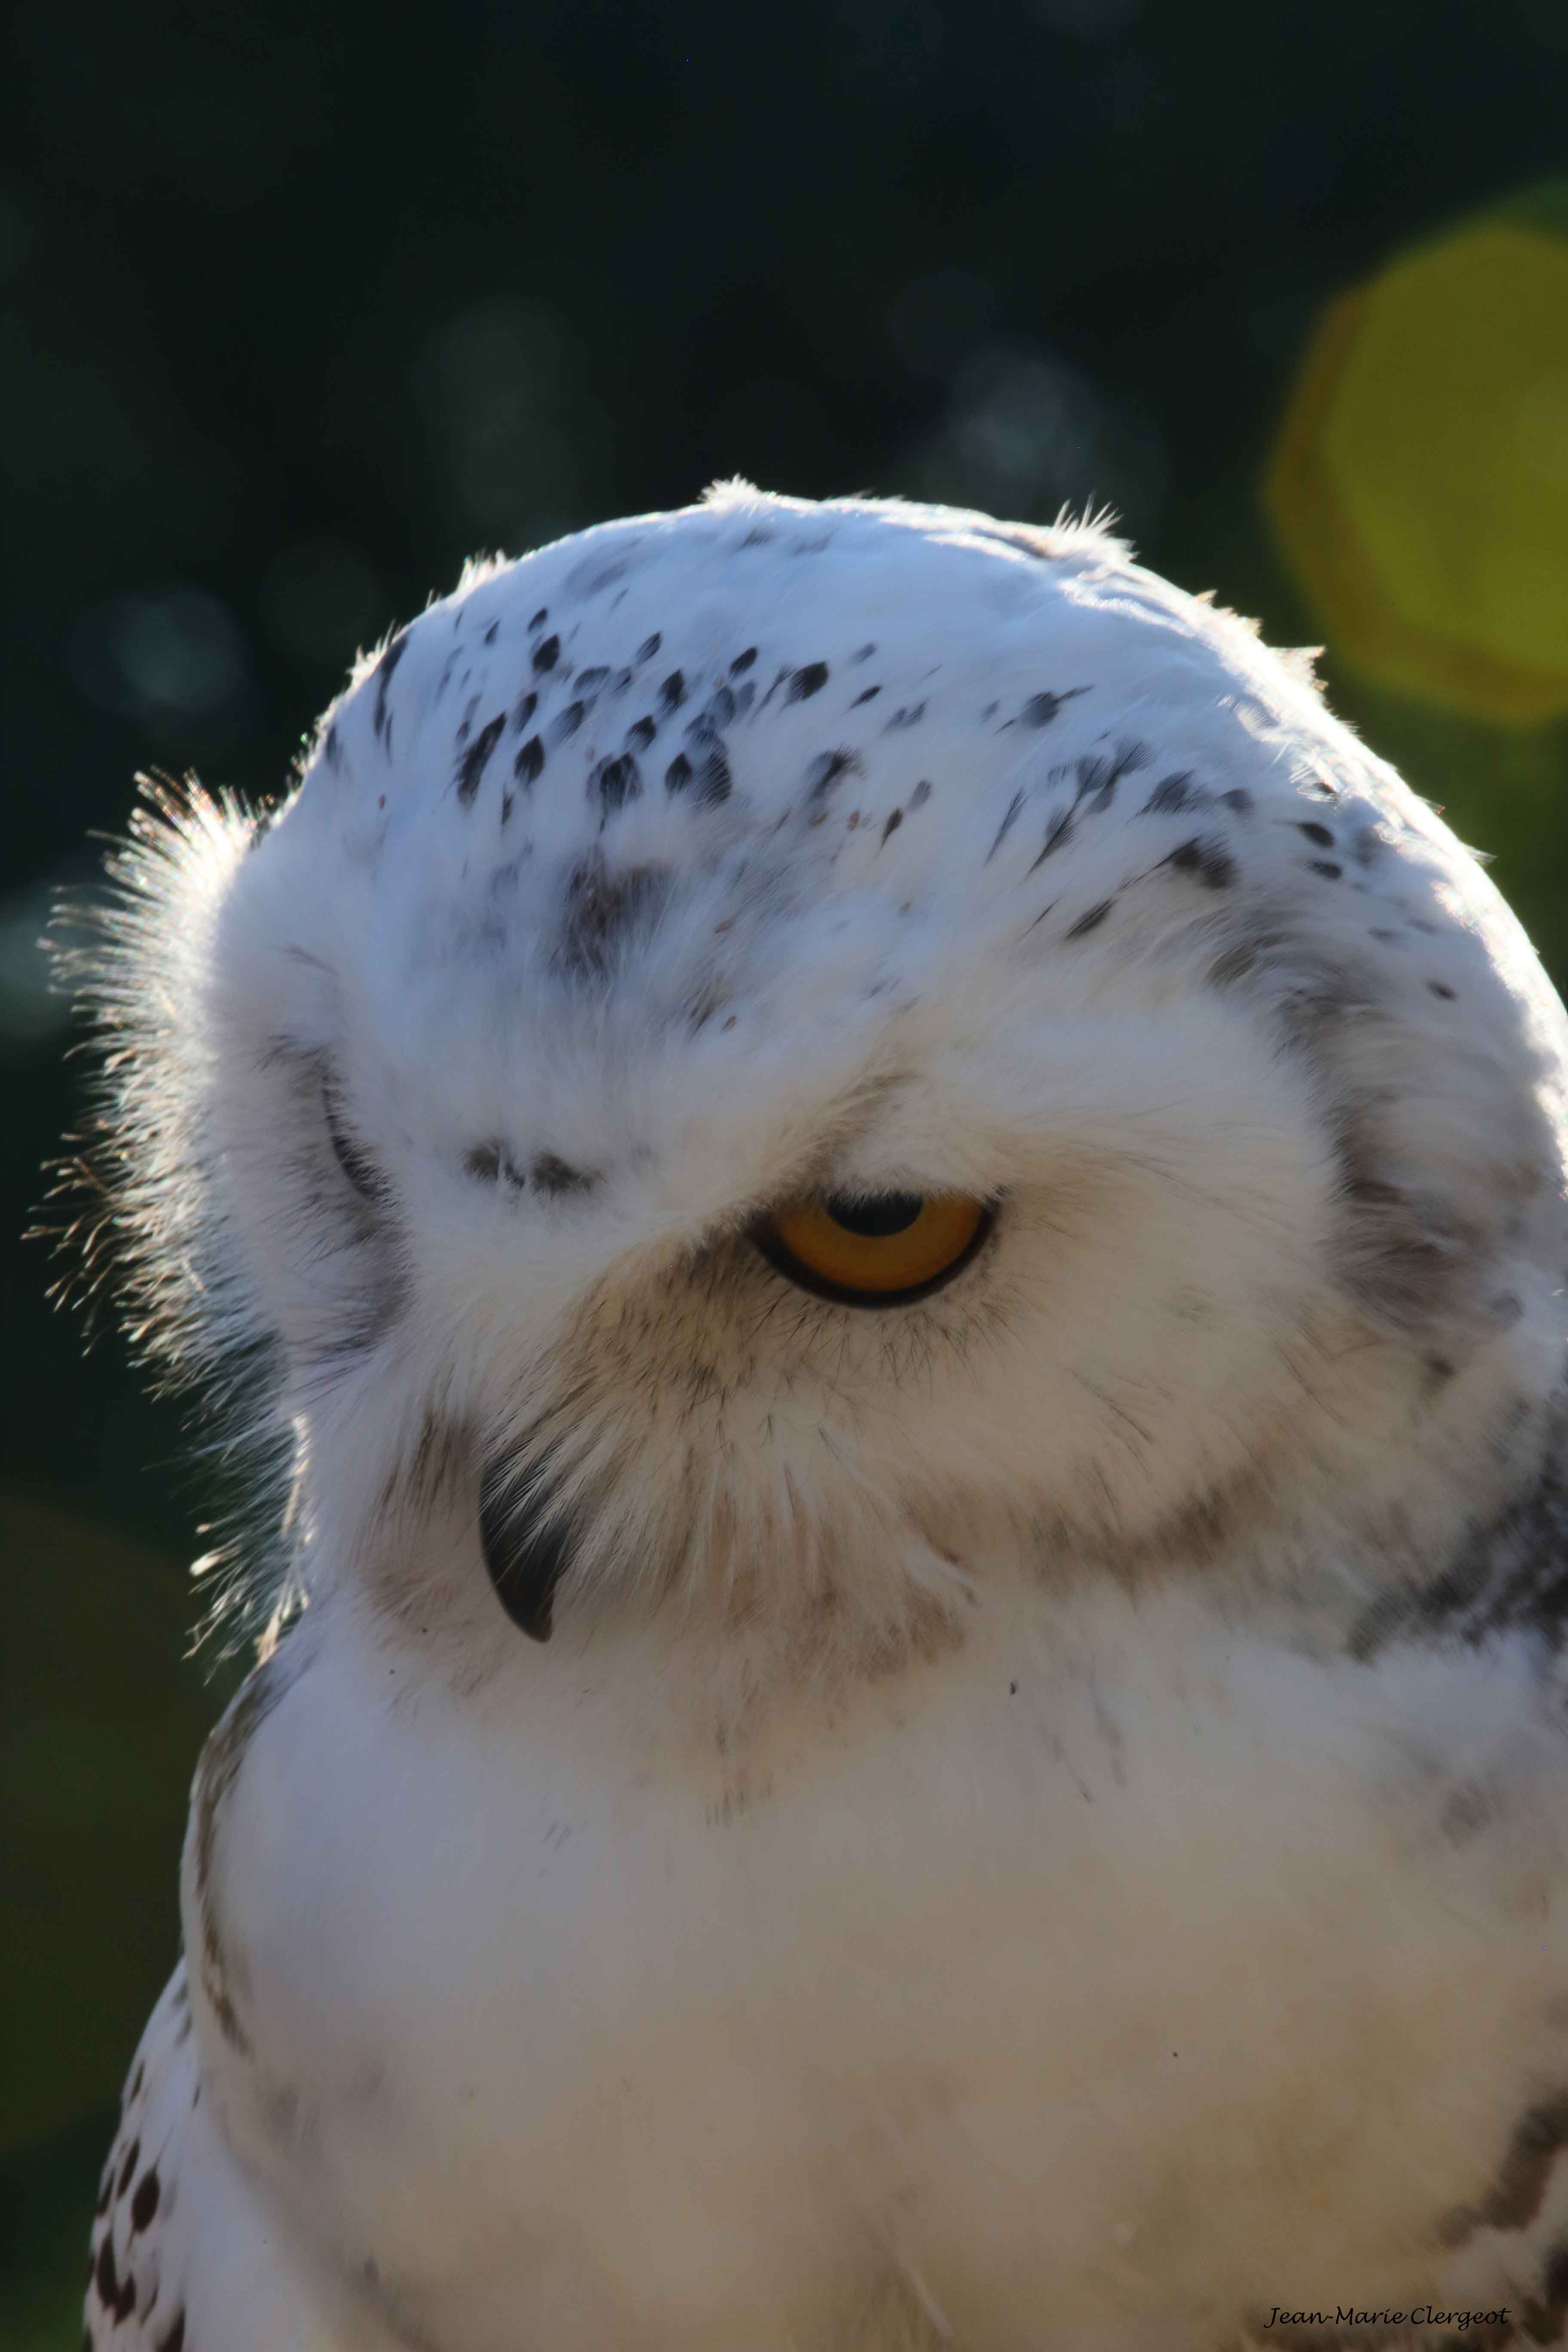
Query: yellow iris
[879, 1249]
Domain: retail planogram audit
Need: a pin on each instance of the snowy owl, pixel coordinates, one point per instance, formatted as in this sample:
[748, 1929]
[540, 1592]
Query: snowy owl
[905, 1226]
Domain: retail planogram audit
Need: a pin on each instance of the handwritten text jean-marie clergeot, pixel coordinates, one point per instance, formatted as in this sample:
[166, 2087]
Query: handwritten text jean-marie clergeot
[1420, 2314]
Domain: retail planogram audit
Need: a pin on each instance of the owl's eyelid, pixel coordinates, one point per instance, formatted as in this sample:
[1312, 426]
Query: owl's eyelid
[821, 1188]
[826, 1187]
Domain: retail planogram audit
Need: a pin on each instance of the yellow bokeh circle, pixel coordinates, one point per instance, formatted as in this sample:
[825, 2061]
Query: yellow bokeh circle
[1418, 488]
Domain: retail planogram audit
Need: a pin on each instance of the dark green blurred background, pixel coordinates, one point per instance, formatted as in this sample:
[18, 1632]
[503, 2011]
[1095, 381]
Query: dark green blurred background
[300, 305]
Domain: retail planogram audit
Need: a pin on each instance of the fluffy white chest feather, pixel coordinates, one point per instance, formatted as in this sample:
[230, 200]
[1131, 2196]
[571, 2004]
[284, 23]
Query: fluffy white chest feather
[1087, 1985]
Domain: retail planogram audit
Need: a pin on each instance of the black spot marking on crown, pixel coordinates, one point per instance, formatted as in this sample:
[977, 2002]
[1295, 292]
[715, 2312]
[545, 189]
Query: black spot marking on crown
[1321, 835]
[1041, 708]
[742, 662]
[921, 794]
[711, 773]
[538, 619]
[1014, 810]
[529, 764]
[1059, 834]
[1091, 921]
[526, 706]
[604, 911]
[1208, 862]
[547, 654]
[1175, 795]
[476, 759]
[490, 632]
[1095, 778]
[672, 693]
[907, 715]
[1238, 798]
[1098, 774]
[1326, 867]
[867, 694]
[862, 654]
[648, 647]
[809, 679]
[714, 780]
[641, 732]
[615, 781]
[830, 768]
[1440, 988]
[385, 670]
[333, 747]
[566, 723]
[893, 824]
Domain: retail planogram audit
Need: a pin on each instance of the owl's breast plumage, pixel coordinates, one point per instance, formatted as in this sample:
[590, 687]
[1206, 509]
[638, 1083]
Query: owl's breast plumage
[1112, 1958]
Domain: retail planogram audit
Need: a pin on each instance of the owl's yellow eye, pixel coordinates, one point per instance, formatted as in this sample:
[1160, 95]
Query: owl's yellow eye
[877, 1249]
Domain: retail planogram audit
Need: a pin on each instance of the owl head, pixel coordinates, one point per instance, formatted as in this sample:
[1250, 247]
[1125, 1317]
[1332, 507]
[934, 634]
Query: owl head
[783, 1065]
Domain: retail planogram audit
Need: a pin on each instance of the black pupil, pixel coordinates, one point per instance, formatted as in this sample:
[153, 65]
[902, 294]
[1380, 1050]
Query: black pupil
[876, 1215]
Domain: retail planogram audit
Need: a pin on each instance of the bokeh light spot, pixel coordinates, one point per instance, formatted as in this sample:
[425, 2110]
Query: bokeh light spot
[1418, 487]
